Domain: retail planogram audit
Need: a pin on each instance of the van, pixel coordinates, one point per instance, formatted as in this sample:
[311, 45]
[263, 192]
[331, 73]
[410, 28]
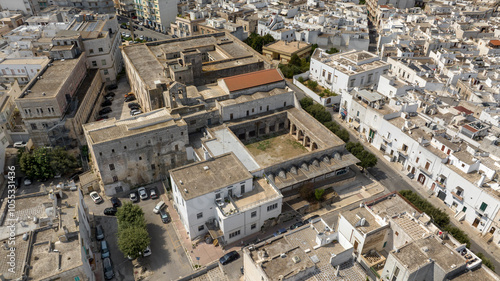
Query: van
[158, 207]
[104, 249]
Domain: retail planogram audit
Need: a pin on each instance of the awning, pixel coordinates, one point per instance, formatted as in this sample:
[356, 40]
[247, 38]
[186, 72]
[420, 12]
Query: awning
[355, 124]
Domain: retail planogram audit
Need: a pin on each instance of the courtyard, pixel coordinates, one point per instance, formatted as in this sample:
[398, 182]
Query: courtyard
[275, 148]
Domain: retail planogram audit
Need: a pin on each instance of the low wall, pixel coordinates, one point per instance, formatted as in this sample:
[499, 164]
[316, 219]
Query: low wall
[326, 101]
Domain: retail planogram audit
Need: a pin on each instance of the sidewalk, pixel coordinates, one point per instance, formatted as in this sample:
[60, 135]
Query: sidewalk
[423, 192]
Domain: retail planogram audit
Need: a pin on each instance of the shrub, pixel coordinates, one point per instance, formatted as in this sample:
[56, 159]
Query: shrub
[312, 85]
[301, 80]
[319, 194]
[486, 261]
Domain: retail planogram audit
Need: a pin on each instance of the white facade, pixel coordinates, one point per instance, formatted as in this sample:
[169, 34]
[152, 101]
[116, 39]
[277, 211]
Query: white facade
[27, 7]
[21, 69]
[344, 71]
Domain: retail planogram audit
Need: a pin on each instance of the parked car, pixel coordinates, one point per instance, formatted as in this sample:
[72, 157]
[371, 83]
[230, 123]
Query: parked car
[99, 233]
[116, 202]
[280, 231]
[164, 216]
[229, 257]
[114, 86]
[296, 225]
[95, 197]
[111, 211]
[104, 249]
[410, 175]
[142, 193]
[133, 197]
[134, 105]
[146, 252]
[108, 269]
[311, 219]
[153, 193]
[158, 207]
[129, 94]
[110, 94]
[27, 181]
[109, 98]
[105, 110]
[130, 98]
[135, 112]
[102, 117]
[19, 144]
[106, 103]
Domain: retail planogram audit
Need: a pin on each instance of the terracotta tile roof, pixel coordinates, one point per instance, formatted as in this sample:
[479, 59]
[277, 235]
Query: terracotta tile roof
[463, 109]
[253, 79]
[495, 42]
[470, 128]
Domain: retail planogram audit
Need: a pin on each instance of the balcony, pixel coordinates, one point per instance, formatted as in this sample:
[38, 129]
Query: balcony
[387, 140]
[441, 184]
[460, 198]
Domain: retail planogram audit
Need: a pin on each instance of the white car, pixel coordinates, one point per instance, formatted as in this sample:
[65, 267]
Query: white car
[135, 112]
[133, 197]
[142, 193]
[147, 252]
[95, 197]
[19, 144]
[158, 207]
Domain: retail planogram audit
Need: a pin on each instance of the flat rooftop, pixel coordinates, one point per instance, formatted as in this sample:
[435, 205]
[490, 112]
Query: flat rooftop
[111, 129]
[284, 47]
[207, 176]
[262, 191]
[417, 253]
[146, 64]
[391, 205]
[479, 275]
[350, 63]
[355, 216]
[53, 78]
[25, 61]
[253, 97]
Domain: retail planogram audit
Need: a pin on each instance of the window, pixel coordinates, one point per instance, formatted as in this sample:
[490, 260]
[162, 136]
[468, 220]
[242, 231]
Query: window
[234, 234]
[91, 51]
[405, 147]
[242, 188]
[111, 167]
[483, 207]
[272, 207]
[253, 226]
[112, 150]
[201, 227]
[103, 62]
[106, 72]
[416, 161]
[45, 125]
[396, 273]
[324, 71]
[94, 63]
[427, 165]
[351, 84]
[335, 78]
[33, 126]
[153, 166]
[253, 214]
[115, 178]
[217, 195]
[199, 215]
[100, 50]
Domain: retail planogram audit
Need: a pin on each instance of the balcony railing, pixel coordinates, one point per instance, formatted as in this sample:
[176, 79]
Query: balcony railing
[440, 184]
[460, 198]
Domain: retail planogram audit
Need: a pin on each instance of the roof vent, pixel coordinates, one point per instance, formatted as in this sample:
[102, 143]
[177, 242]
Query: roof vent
[43, 94]
[185, 190]
[206, 168]
[283, 255]
[181, 182]
[296, 259]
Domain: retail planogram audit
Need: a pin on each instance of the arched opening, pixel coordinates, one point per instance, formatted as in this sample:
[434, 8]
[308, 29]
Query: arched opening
[307, 141]
[314, 146]
[294, 129]
[300, 136]
[421, 179]
[328, 100]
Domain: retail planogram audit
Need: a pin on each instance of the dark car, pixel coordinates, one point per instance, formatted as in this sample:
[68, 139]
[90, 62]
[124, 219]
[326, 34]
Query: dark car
[116, 202]
[280, 231]
[130, 98]
[229, 257]
[110, 211]
[99, 233]
[108, 269]
[309, 220]
[134, 104]
[102, 117]
[296, 225]
[110, 94]
[106, 103]
[410, 175]
[105, 110]
[112, 87]
[164, 216]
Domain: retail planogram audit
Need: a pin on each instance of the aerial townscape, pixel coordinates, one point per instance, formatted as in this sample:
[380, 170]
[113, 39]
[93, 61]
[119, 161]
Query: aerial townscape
[223, 140]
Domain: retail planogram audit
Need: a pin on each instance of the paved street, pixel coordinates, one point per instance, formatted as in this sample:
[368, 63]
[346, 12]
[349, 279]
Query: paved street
[145, 31]
[167, 254]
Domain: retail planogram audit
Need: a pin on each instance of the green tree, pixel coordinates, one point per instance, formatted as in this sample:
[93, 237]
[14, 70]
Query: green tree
[319, 113]
[306, 102]
[295, 60]
[486, 261]
[45, 163]
[313, 47]
[133, 240]
[318, 194]
[130, 215]
[257, 42]
[332, 51]
[368, 160]
[312, 85]
[61, 162]
[343, 135]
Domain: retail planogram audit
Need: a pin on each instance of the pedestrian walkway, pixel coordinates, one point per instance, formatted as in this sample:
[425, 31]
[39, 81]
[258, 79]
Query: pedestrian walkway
[424, 192]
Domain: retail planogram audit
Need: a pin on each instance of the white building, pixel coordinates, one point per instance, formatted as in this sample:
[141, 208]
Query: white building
[21, 70]
[344, 71]
[27, 7]
[275, 26]
[221, 197]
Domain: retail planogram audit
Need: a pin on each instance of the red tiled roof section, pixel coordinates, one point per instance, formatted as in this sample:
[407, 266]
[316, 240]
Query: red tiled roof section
[463, 109]
[495, 42]
[470, 128]
[252, 79]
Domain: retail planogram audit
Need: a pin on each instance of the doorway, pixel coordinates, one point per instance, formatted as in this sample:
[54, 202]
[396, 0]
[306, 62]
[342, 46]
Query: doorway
[476, 222]
[421, 179]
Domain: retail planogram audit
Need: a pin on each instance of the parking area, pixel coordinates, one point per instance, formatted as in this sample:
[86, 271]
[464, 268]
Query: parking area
[119, 107]
[168, 260]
